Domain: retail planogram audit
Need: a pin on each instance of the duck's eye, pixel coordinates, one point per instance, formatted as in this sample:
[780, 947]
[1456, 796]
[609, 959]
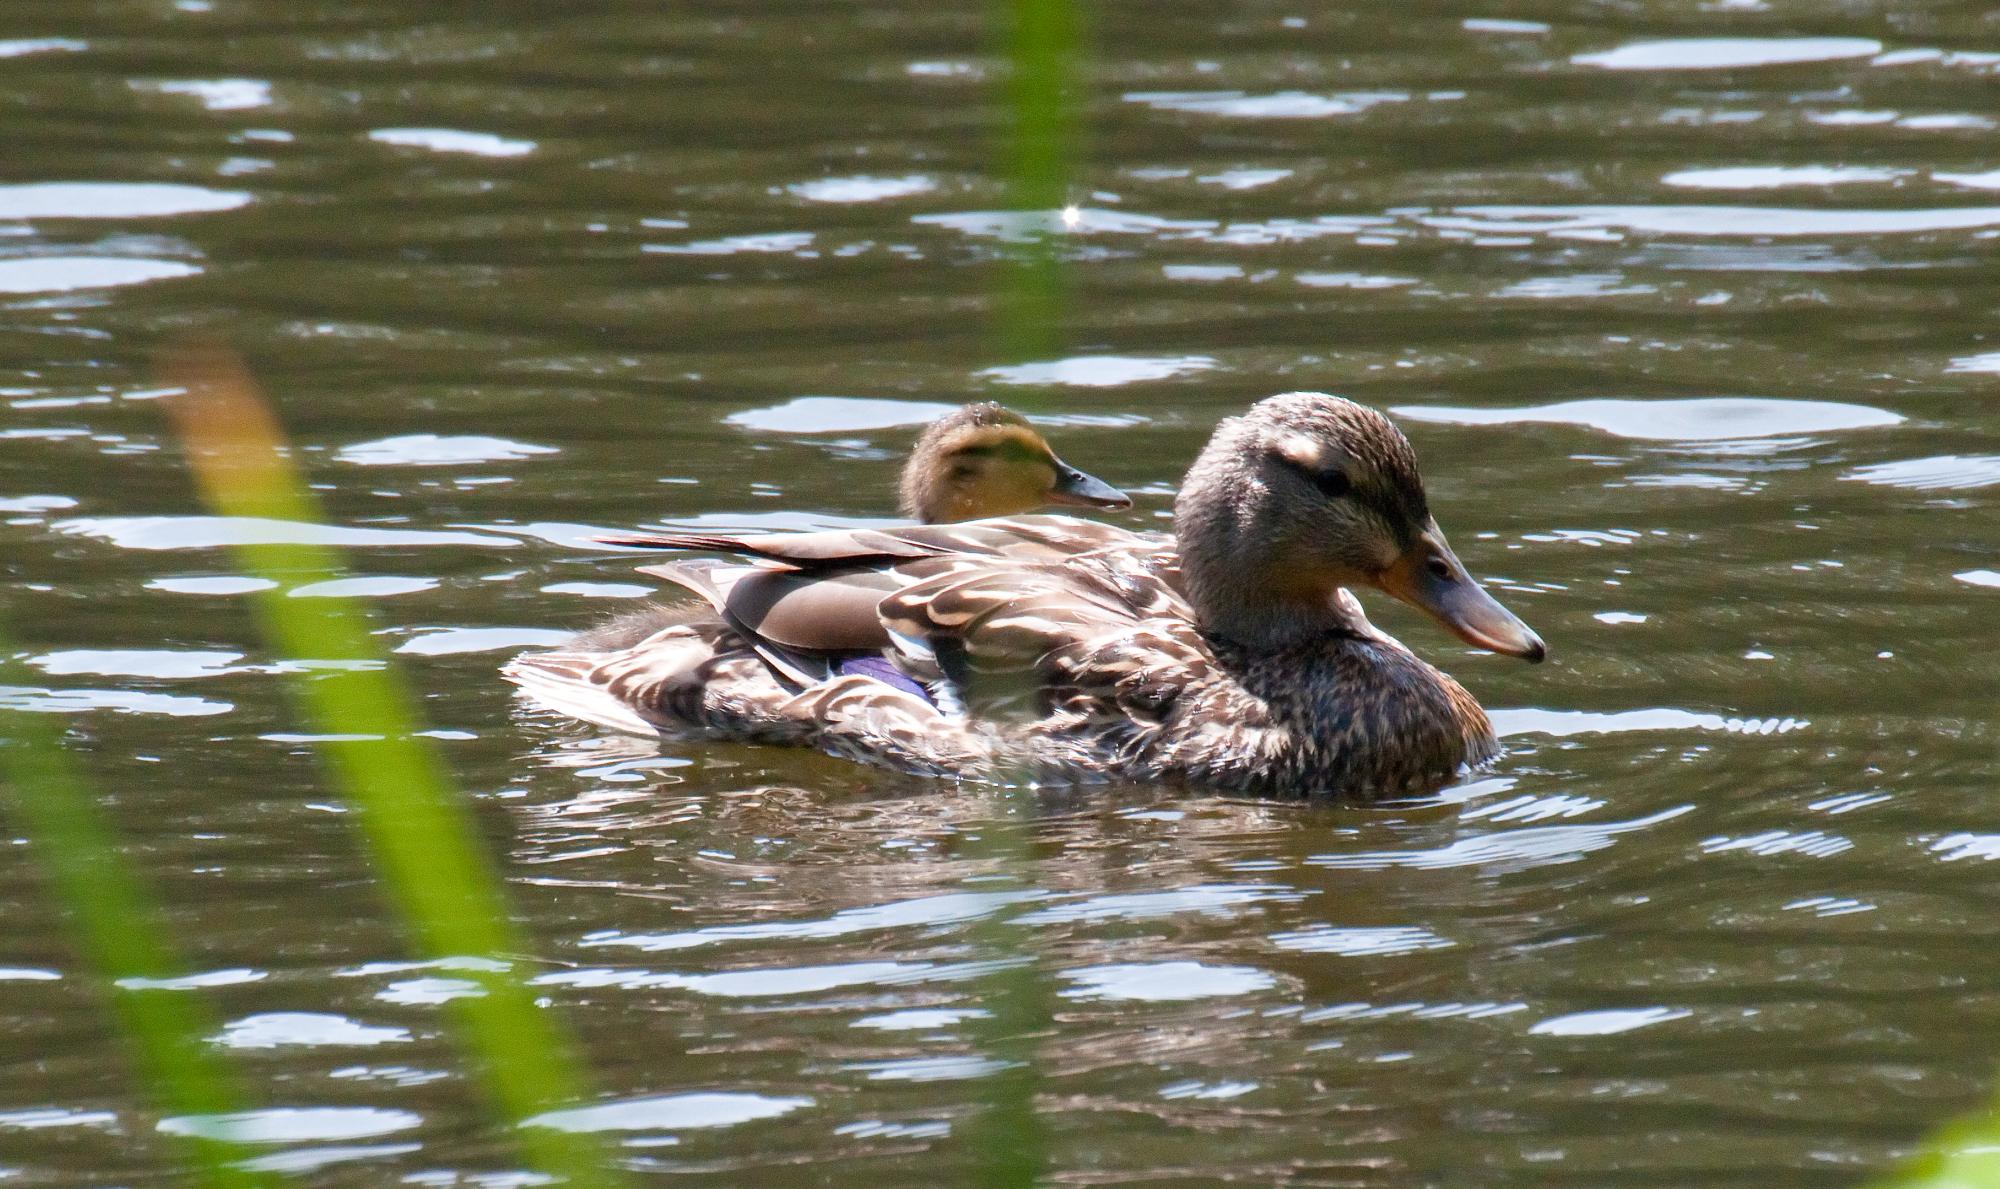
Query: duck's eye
[1332, 483]
[1328, 477]
[1439, 568]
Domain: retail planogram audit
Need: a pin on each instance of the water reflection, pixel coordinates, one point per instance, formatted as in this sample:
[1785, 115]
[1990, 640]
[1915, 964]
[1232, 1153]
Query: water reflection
[58, 274]
[1687, 312]
[1712, 419]
[113, 200]
[1728, 53]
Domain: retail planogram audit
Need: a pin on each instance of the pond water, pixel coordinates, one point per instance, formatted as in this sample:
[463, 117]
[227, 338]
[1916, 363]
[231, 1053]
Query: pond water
[1688, 308]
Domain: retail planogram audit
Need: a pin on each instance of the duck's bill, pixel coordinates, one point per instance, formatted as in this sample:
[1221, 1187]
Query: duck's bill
[1078, 490]
[1430, 577]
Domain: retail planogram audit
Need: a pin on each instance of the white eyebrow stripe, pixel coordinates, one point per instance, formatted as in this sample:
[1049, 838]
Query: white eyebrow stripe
[1303, 450]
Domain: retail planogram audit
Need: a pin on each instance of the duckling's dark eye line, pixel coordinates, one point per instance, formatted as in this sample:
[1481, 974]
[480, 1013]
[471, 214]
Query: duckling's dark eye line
[1012, 451]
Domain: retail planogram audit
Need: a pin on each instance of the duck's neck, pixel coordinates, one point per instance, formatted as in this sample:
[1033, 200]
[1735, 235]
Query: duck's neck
[1234, 606]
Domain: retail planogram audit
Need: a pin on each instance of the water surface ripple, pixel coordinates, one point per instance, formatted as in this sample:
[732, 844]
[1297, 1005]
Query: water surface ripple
[1687, 307]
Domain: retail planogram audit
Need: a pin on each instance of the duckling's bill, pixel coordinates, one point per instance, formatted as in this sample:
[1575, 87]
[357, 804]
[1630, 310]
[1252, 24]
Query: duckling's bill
[1074, 488]
[1430, 577]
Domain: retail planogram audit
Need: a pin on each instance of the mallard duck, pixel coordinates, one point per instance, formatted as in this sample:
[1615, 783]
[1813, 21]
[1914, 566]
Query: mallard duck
[1050, 649]
[977, 461]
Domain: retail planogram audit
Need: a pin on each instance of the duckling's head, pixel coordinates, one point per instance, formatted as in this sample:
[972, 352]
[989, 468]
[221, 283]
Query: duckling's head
[1308, 493]
[983, 461]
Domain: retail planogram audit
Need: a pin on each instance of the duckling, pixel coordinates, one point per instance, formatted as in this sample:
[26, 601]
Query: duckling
[983, 461]
[1048, 649]
[978, 461]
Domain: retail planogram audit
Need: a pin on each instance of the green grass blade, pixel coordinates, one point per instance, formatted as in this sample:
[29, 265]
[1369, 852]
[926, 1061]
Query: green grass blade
[1963, 1154]
[1007, 1140]
[420, 835]
[1039, 162]
[118, 929]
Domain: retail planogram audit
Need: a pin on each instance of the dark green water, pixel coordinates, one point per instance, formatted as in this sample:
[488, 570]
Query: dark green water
[1697, 342]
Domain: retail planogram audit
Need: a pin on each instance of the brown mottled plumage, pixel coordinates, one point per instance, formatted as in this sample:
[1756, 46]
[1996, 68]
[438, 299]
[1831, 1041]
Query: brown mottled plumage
[1051, 649]
[978, 461]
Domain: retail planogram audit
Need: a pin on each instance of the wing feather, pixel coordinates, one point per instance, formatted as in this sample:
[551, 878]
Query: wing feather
[997, 618]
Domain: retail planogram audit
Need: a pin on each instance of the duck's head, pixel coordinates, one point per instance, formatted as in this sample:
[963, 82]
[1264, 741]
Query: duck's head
[1308, 493]
[983, 460]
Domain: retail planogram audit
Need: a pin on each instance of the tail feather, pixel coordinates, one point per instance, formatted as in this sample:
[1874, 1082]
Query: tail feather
[561, 681]
[715, 542]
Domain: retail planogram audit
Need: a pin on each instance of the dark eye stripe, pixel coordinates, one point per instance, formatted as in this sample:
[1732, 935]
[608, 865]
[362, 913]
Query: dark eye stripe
[1332, 482]
[1010, 450]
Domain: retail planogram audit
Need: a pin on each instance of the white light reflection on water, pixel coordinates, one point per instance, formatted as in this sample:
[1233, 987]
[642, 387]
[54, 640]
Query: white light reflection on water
[1988, 363]
[38, 1118]
[123, 662]
[279, 1029]
[453, 140]
[21, 47]
[1510, 850]
[432, 450]
[217, 584]
[124, 701]
[113, 200]
[216, 532]
[928, 911]
[1351, 942]
[59, 274]
[1728, 53]
[281, 1125]
[216, 94]
[373, 587]
[1562, 724]
[862, 188]
[1705, 419]
[1279, 105]
[1607, 1023]
[1774, 177]
[670, 1112]
[1099, 371]
[1165, 982]
[1961, 472]
[1718, 221]
[770, 981]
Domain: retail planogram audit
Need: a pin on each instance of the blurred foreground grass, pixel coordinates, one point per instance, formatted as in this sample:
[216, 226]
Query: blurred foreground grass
[1007, 1139]
[420, 835]
[118, 930]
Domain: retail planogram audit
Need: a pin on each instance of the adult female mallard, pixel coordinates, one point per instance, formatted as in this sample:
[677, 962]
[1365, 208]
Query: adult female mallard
[1050, 649]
